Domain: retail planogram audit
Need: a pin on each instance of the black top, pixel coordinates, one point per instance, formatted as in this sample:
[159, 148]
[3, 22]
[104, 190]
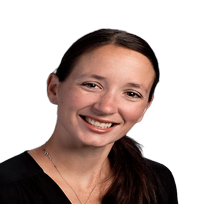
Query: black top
[22, 181]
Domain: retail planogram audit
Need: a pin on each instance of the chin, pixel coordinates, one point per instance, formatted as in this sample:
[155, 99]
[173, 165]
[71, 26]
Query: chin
[97, 143]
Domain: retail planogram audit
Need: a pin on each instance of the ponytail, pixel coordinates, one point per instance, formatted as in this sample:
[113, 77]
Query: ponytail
[133, 182]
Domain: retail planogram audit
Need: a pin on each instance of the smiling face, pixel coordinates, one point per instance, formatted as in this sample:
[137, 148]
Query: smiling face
[104, 96]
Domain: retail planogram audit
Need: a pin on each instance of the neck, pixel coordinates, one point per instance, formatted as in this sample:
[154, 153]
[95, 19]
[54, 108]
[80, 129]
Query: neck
[79, 162]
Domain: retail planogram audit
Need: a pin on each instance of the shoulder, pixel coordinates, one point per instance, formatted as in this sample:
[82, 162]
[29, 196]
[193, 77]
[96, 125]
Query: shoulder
[16, 168]
[159, 168]
[160, 171]
[165, 182]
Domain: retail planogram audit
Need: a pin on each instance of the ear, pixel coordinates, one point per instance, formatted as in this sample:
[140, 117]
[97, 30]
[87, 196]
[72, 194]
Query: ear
[52, 86]
[148, 105]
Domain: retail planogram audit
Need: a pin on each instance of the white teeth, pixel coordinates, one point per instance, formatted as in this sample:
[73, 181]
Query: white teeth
[98, 124]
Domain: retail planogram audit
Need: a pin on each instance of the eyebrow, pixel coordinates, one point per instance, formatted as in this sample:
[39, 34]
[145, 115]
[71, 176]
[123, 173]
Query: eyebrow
[95, 76]
[134, 85]
[137, 86]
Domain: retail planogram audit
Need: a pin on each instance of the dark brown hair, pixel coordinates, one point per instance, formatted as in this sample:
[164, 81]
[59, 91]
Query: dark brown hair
[103, 37]
[133, 181]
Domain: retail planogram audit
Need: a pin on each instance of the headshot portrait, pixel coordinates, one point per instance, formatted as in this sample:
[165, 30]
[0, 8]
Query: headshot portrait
[101, 106]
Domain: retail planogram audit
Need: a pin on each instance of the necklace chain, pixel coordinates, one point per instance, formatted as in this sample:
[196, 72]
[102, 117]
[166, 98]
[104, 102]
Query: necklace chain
[50, 158]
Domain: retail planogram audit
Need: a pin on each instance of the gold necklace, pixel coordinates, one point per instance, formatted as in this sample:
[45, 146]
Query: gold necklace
[50, 158]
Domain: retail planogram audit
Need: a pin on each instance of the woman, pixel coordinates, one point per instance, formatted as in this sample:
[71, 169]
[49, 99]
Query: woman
[102, 87]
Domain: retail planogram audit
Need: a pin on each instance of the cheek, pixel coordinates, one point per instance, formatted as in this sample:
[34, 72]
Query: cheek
[75, 100]
[132, 114]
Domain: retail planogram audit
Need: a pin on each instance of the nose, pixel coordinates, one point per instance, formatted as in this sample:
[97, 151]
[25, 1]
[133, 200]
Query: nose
[106, 104]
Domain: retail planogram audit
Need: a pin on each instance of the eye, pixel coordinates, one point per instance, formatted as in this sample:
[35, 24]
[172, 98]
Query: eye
[133, 94]
[90, 85]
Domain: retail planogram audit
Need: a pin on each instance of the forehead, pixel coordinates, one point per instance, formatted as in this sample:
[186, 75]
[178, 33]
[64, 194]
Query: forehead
[111, 62]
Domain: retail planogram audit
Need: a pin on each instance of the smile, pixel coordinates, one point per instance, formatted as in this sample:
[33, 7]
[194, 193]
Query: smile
[98, 124]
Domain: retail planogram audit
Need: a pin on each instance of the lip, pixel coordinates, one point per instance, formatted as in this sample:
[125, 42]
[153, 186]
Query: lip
[98, 129]
[100, 120]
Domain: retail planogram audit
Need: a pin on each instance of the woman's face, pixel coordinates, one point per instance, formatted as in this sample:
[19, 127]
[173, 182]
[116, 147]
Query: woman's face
[104, 96]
